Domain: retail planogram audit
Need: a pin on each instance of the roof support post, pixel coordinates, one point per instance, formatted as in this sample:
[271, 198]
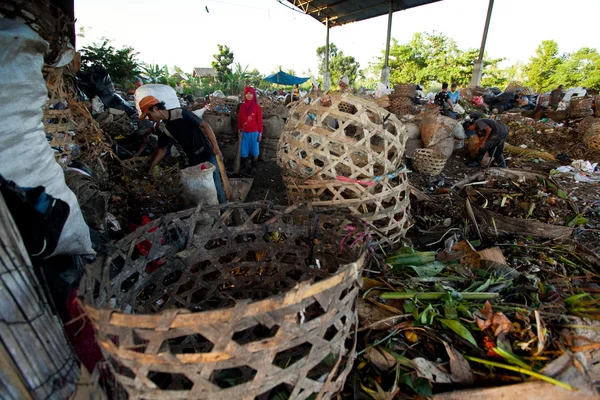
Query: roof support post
[326, 74]
[385, 73]
[478, 65]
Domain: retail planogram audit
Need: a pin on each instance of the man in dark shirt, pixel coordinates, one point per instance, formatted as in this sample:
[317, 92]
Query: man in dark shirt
[193, 135]
[555, 97]
[492, 136]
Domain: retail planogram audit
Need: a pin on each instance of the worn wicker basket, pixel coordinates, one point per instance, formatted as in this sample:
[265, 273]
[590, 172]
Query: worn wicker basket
[592, 137]
[353, 138]
[581, 107]
[429, 162]
[223, 105]
[158, 194]
[325, 152]
[405, 90]
[246, 301]
[597, 105]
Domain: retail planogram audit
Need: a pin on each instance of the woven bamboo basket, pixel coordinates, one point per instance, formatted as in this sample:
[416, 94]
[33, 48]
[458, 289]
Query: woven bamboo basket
[592, 137]
[585, 125]
[157, 194]
[383, 204]
[429, 162]
[325, 152]
[405, 90]
[581, 107]
[223, 105]
[353, 137]
[597, 105]
[256, 302]
[514, 85]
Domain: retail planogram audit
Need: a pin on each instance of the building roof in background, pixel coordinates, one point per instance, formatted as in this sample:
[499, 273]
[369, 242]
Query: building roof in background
[341, 12]
[204, 72]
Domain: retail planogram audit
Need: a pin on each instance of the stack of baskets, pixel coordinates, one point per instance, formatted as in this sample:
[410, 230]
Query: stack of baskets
[581, 107]
[347, 155]
[401, 101]
[157, 194]
[228, 302]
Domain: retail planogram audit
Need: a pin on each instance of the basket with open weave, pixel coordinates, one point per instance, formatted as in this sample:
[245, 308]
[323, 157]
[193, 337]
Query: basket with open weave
[405, 90]
[348, 156]
[592, 136]
[238, 301]
[429, 162]
[581, 107]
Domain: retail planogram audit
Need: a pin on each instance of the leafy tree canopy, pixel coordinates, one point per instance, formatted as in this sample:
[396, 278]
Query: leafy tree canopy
[339, 64]
[223, 60]
[121, 64]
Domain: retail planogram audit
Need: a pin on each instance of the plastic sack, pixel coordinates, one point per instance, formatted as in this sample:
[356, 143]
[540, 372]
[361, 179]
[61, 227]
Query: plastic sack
[477, 100]
[199, 185]
[414, 130]
[162, 92]
[28, 159]
[457, 108]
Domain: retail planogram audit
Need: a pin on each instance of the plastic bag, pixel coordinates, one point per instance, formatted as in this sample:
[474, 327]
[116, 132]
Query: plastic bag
[199, 185]
[477, 100]
[95, 81]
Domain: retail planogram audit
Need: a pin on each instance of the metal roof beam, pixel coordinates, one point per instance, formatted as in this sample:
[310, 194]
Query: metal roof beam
[318, 9]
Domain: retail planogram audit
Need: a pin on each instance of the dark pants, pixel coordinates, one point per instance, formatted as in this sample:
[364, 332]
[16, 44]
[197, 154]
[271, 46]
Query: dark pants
[494, 147]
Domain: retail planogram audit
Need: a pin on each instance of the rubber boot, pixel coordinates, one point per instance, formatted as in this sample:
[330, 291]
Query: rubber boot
[245, 165]
[500, 160]
[254, 163]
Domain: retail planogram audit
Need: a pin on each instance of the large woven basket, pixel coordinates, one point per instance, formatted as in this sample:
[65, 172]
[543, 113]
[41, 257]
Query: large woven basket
[326, 151]
[157, 194]
[402, 106]
[405, 90]
[245, 301]
[592, 137]
[429, 162]
[581, 107]
[223, 105]
[597, 105]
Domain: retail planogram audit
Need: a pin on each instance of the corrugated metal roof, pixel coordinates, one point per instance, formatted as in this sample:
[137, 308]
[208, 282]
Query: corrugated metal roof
[340, 12]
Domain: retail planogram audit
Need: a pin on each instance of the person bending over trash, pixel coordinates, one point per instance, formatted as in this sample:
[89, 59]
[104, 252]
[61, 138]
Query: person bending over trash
[190, 132]
[492, 136]
[250, 129]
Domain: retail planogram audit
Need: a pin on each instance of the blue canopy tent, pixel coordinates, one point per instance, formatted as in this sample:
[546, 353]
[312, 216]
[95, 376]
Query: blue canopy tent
[285, 79]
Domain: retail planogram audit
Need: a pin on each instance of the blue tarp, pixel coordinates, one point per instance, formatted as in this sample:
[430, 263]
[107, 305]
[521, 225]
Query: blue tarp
[285, 79]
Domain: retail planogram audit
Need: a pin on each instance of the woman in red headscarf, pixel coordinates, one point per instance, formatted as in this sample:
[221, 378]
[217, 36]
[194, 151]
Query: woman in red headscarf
[250, 127]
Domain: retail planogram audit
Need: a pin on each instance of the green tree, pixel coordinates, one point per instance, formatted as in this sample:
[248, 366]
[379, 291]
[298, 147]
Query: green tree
[579, 68]
[121, 64]
[333, 50]
[339, 64]
[222, 62]
[541, 69]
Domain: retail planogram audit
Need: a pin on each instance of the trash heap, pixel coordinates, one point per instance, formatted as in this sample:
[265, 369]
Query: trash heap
[343, 151]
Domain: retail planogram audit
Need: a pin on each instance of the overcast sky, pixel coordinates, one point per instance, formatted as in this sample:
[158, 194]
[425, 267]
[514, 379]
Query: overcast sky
[264, 33]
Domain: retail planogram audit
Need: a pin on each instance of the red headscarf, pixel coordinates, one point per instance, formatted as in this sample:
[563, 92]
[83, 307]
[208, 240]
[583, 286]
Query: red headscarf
[250, 106]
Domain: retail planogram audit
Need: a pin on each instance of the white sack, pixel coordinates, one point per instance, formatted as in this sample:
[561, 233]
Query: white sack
[27, 158]
[199, 185]
[162, 92]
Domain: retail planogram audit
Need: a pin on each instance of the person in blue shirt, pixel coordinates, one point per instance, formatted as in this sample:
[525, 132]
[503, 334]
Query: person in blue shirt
[454, 94]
